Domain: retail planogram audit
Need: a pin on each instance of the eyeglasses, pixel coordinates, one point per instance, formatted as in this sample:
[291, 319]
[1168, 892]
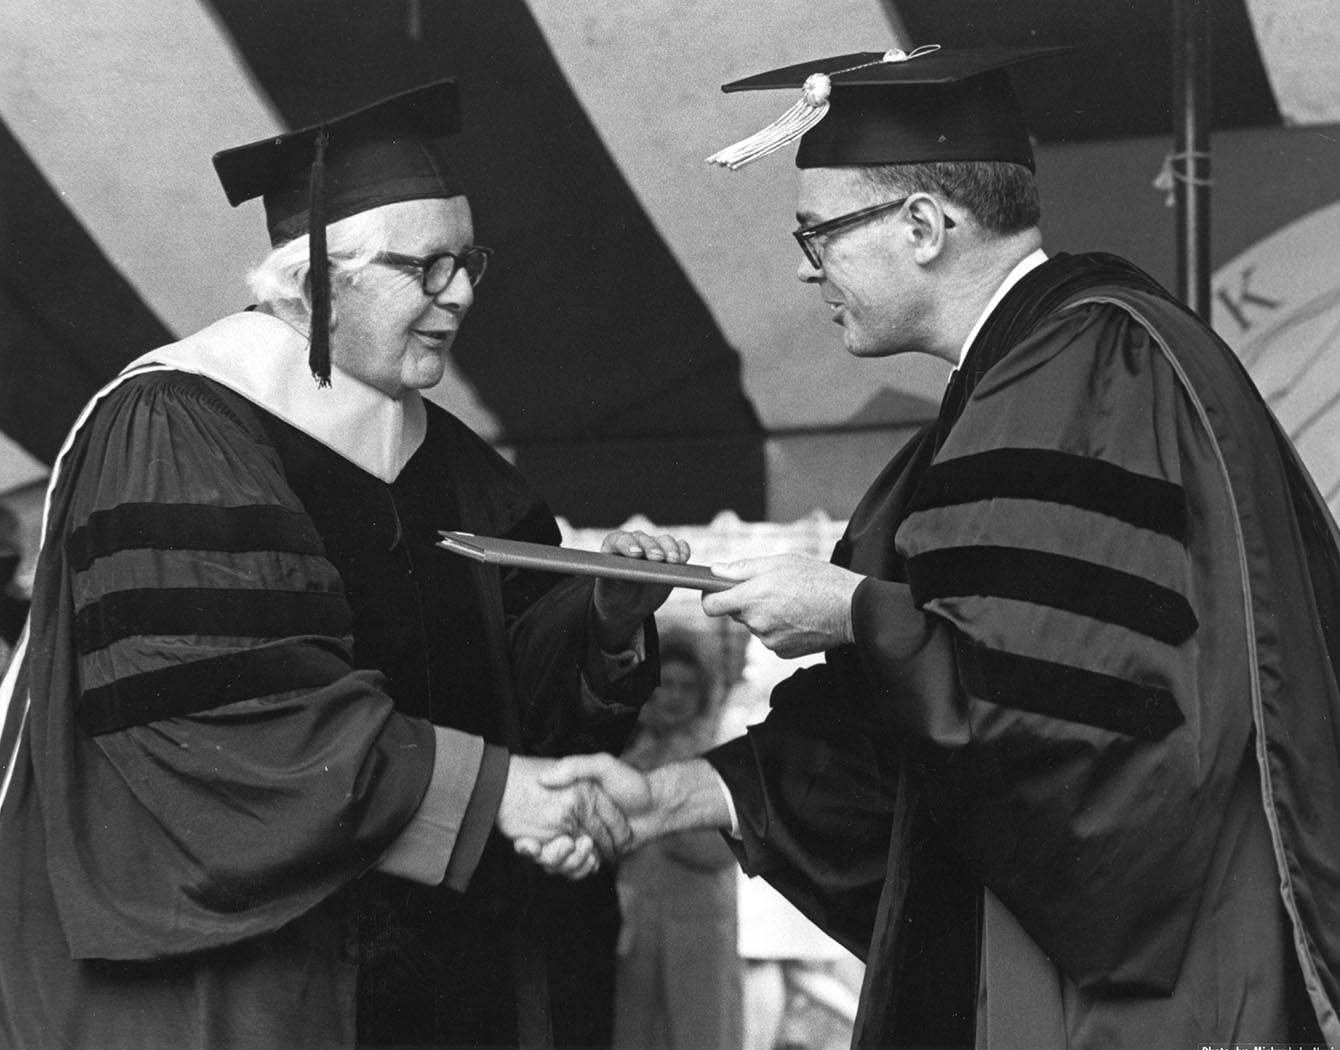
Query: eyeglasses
[438, 270]
[807, 235]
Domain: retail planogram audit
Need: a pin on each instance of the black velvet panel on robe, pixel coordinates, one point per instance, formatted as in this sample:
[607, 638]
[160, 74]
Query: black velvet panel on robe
[434, 964]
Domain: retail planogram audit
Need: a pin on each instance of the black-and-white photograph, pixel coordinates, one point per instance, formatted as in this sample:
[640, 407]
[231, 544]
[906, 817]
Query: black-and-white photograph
[727, 525]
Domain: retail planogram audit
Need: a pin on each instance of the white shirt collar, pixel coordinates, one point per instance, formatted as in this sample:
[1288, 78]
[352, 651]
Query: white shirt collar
[1029, 262]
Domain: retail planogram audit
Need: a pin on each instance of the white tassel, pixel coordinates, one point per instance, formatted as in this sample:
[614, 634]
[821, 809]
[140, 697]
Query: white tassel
[791, 125]
[807, 112]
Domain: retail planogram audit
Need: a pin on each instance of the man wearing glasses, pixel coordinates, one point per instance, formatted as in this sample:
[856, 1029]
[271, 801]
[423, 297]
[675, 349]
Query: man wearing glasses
[1054, 778]
[262, 730]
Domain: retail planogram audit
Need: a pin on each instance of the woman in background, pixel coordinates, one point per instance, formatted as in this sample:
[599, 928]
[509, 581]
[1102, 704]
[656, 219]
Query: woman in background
[677, 983]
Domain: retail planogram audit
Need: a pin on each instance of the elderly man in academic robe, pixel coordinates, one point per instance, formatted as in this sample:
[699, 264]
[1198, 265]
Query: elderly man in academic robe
[265, 742]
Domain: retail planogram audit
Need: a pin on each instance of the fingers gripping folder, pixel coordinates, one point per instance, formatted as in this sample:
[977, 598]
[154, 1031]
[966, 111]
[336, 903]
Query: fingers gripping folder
[544, 558]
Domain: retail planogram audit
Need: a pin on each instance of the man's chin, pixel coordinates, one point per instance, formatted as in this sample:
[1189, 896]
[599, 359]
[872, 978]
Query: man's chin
[855, 345]
[858, 345]
[427, 373]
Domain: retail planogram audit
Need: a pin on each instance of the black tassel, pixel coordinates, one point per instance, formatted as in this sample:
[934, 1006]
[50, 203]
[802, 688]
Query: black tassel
[318, 358]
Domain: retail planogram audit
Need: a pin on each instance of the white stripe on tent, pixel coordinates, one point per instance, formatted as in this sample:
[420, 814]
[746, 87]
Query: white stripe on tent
[651, 85]
[121, 105]
[1299, 42]
[17, 468]
[1278, 305]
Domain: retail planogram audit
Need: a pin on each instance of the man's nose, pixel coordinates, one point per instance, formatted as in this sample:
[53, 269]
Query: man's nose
[459, 294]
[808, 272]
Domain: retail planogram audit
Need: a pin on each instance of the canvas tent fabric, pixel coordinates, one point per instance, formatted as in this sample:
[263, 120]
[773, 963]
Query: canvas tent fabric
[1278, 305]
[644, 345]
[583, 297]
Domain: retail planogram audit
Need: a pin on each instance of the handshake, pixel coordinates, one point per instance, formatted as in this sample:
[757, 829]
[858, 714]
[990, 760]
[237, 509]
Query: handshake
[570, 814]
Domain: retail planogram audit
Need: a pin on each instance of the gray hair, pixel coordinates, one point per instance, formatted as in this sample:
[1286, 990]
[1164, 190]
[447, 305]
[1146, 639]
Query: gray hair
[1002, 197]
[350, 245]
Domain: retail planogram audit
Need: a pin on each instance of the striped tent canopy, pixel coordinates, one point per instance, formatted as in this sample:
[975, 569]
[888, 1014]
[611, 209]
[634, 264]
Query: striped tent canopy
[642, 345]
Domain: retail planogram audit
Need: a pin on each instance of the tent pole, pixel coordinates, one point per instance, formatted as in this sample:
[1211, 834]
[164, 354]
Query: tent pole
[1191, 151]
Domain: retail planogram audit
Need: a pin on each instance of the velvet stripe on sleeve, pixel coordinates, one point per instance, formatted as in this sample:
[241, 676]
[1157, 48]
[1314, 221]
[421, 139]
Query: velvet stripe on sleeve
[222, 729]
[1088, 610]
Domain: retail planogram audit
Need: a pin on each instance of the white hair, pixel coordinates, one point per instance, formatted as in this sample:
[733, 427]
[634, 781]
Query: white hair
[350, 245]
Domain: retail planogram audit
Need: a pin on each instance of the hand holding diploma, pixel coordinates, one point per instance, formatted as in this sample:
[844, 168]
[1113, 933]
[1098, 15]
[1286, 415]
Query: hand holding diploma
[621, 605]
[793, 604]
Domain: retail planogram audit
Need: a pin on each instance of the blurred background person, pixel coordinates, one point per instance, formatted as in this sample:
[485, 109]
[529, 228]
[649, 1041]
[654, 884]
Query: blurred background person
[800, 986]
[677, 974]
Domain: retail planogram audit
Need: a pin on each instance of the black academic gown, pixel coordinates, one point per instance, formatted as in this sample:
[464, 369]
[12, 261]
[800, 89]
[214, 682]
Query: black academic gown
[1093, 677]
[249, 667]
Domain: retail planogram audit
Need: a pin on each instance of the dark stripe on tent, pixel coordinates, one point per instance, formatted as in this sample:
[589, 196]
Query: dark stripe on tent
[210, 611]
[1071, 694]
[186, 689]
[1056, 477]
[189, 526]
[585, 300]
[1119, 79]
[68, 320]
[1056, 581]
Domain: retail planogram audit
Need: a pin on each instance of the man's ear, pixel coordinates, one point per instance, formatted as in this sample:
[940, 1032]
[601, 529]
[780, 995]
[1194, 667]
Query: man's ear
[926, 226]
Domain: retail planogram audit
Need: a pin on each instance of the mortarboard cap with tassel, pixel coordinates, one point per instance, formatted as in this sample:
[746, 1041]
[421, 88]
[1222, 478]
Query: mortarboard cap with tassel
[392, 150]
[895, 107]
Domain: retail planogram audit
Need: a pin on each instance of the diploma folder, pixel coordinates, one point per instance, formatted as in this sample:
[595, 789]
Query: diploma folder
[545, 558]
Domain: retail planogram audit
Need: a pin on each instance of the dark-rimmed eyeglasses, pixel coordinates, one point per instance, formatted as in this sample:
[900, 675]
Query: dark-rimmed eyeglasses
[806, 236]
[438, 270]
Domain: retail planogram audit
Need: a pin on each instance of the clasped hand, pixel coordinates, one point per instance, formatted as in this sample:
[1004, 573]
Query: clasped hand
[569, 815]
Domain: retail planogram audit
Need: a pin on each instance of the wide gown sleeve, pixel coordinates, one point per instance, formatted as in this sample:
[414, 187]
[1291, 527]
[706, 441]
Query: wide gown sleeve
[1045, 672]
[572, 698]
[814, 790]
[1085, 555]
[211, 765]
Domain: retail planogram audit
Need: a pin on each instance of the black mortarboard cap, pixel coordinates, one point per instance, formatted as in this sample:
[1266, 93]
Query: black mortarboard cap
[392, 150]
[895, 107]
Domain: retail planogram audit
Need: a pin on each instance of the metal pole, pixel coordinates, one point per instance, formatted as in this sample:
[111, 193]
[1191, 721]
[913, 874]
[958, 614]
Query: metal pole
[1191, 151]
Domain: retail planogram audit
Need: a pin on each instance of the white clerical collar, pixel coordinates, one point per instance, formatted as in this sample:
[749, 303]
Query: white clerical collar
[265, 360]
[1029, 262]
